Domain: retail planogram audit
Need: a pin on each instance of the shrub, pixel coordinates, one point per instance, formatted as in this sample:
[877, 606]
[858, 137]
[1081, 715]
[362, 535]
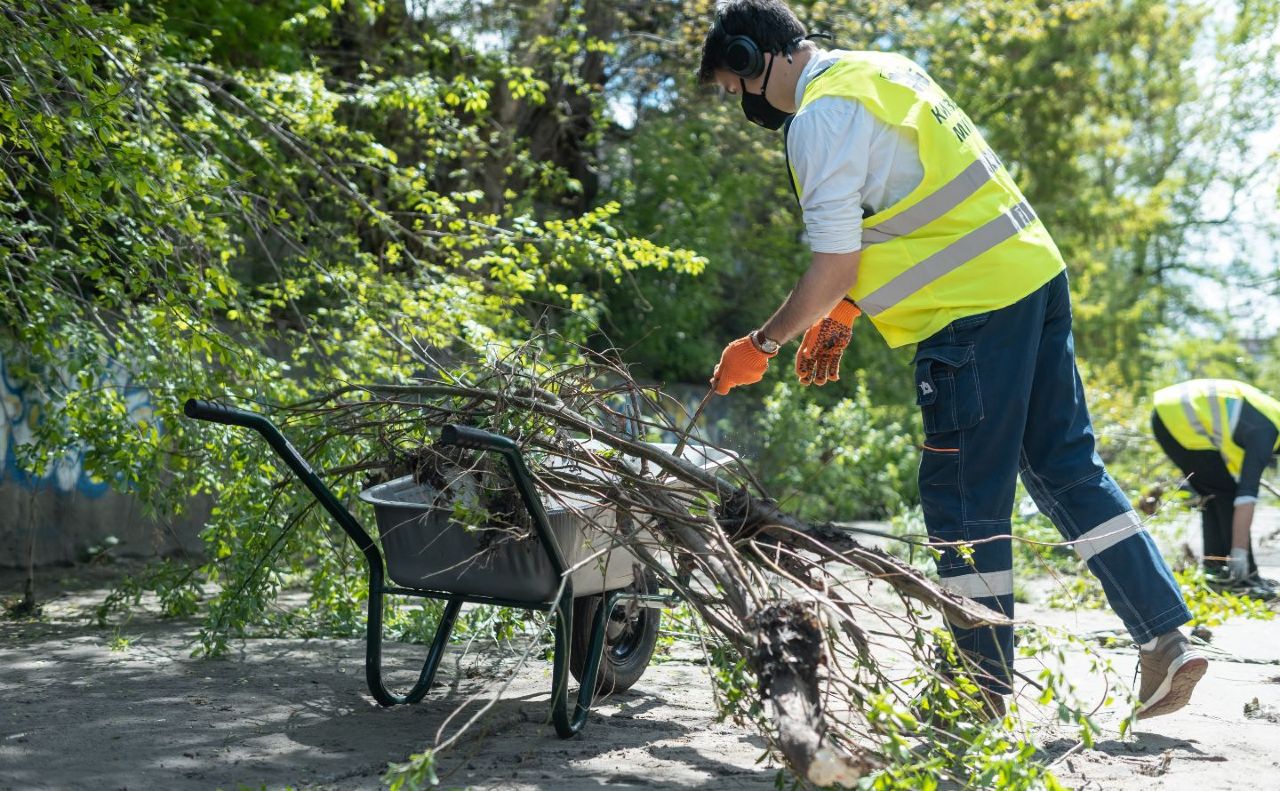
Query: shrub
[849, 460]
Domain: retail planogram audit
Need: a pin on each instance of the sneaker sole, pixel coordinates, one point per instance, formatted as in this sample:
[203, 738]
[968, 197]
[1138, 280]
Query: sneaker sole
[1175, 691]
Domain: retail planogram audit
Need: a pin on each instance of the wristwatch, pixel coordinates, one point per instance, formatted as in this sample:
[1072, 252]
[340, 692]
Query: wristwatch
[764, 344]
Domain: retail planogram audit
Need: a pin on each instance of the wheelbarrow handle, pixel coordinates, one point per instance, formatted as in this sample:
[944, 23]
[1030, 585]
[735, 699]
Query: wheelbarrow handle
[476, 439]
[479, 439]
[217, 413]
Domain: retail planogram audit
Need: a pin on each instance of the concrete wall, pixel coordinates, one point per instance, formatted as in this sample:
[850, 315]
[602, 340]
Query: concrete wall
[55, 516]
[51, 527]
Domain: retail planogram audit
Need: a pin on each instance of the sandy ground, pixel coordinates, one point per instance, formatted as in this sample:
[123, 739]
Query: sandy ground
[74, 713]
[1227, 738]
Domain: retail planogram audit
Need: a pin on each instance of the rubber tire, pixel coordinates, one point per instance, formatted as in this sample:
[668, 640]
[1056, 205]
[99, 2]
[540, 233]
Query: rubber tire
[627, 655]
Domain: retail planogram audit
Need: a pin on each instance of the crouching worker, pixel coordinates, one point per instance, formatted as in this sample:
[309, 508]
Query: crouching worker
[914, 221]
[1222, 434]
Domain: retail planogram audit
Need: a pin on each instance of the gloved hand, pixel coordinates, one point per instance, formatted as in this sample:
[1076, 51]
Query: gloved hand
[1149, 502]
[818, 358]
[741, 363]
[1238, 564]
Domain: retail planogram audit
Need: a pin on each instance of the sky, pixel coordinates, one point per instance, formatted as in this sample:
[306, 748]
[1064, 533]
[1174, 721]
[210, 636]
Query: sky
[1253, 306]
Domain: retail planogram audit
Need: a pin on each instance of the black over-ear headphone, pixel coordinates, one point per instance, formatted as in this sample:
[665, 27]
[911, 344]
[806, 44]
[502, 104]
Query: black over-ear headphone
[743, 57]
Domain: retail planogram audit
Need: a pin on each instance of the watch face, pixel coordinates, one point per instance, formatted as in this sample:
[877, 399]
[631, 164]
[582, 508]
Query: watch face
[766, 345]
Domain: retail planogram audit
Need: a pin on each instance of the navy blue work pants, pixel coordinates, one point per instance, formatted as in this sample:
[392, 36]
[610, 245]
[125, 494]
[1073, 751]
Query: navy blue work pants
[1000, 396]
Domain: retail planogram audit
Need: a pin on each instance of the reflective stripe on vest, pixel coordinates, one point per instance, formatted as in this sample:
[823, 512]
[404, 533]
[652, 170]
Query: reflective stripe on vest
[961, 251]
[946, 198]
[1214, 436]
[964, 241]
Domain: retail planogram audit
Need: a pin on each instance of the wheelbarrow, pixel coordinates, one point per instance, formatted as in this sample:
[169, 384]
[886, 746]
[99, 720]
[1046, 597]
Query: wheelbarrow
[606, 613]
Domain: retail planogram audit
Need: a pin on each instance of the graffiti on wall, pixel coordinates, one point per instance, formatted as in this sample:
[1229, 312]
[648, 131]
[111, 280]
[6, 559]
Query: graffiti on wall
[21, 407]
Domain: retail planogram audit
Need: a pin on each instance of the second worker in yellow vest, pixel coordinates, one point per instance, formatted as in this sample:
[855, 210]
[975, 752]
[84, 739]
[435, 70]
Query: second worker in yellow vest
[1222, 434]
[914, 221]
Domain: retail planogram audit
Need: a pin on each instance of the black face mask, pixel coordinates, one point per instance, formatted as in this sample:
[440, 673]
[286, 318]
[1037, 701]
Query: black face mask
[757, 108]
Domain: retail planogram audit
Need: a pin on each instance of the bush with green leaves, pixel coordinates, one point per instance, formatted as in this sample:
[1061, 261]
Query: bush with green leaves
[844, 460]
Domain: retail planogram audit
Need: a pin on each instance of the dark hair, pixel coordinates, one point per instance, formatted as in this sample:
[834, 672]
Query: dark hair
[770, 23]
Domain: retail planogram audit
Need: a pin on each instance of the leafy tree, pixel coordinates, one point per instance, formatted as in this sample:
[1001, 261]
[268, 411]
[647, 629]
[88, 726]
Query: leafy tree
[218, 227]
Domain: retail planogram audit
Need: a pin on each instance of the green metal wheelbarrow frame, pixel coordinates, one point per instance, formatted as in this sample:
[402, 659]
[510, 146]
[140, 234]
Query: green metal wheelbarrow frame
[566, 724]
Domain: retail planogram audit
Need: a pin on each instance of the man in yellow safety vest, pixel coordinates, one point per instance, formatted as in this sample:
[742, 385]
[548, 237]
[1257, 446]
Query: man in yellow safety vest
[1222, 434]
[913, 220]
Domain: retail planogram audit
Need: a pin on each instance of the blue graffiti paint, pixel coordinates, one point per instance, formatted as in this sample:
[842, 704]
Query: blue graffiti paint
[20, 414]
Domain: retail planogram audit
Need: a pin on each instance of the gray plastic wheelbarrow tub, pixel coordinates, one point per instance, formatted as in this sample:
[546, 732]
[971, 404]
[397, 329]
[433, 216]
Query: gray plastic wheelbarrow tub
[425, 547]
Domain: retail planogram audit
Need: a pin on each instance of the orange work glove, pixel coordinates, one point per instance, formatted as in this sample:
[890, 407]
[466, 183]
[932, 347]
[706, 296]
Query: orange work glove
[741, 363]
[818, 358]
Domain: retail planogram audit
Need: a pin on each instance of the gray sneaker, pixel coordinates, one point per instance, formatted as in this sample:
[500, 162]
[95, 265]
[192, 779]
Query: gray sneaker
[1170, 672]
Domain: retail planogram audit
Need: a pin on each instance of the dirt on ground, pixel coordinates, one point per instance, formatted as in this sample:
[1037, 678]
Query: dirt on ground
[128, 707]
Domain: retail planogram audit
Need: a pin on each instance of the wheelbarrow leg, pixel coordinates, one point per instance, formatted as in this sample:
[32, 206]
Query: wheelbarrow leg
[567, 726]
[438, 645]
[373, 651]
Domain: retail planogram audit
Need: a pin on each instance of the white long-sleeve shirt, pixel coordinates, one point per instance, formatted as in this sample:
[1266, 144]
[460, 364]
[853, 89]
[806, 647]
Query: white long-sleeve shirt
[845, 159]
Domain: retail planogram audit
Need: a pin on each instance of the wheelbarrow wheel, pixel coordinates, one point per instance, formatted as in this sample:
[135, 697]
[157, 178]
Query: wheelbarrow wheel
[631, 633]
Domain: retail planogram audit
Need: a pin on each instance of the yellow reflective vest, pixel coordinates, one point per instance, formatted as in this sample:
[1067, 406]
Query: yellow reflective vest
[965, 241]
[1201, 415]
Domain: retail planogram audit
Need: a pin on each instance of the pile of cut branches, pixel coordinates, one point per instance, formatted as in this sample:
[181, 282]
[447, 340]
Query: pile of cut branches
[829, 652]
